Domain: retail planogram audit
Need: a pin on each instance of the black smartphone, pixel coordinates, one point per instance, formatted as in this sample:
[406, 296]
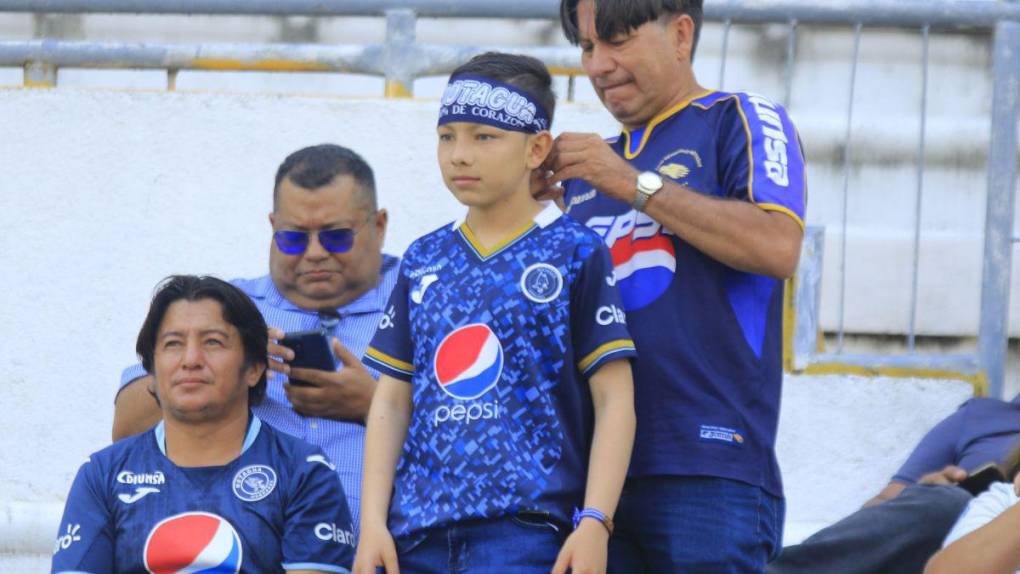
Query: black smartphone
[979, 479]
[311, 351]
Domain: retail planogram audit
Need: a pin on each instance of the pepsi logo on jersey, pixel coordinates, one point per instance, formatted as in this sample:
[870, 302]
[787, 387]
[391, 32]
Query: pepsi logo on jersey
[193, 542]
[644, 258]
[468, 363]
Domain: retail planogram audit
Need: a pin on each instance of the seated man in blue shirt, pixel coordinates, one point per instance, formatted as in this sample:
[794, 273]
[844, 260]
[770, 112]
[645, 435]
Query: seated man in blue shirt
[209, 488]
[336, 280]
[901, 527]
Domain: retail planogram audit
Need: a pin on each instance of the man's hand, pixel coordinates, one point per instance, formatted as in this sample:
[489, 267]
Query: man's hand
[542, 187]
[340, 395]
[275, 350]
[585, 551]
[589, 157]
[949, 475]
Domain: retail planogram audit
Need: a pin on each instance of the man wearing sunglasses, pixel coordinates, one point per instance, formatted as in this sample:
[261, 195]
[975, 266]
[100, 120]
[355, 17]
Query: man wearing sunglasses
[326, 272]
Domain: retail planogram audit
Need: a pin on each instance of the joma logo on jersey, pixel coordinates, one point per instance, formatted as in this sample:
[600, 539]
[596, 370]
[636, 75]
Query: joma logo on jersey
[775, 140]
[128, 477]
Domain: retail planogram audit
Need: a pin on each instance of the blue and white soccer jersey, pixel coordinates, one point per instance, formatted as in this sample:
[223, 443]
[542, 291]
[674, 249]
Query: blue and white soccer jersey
[498, 345]
[708, 378]
[279, 506]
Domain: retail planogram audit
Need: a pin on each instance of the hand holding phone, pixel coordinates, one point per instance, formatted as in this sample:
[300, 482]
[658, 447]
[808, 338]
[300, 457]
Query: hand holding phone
[311, 351]
[979, 479]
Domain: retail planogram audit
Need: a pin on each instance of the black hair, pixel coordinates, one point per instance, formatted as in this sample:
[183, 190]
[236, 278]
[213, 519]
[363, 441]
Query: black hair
[237, 309]
[524, 72]
[315, 166]
[615, 17]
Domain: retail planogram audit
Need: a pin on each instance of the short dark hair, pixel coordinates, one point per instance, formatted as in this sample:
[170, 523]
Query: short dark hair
[318, 165]
[237, 309]
[524, 72]
[614, 17]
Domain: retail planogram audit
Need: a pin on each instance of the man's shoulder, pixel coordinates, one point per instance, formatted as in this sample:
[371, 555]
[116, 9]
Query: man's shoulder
[119, 454]
[255, 287]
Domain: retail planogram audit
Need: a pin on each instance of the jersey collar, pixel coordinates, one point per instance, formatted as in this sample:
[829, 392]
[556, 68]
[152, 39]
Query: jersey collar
[254, 426]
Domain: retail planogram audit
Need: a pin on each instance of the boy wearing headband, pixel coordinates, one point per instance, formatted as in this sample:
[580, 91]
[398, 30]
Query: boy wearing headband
[506, 394]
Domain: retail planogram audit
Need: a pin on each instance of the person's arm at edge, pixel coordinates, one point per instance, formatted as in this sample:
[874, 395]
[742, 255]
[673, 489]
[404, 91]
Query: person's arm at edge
[134, 409]
[992, 548]
[612, 391]
[386, 428]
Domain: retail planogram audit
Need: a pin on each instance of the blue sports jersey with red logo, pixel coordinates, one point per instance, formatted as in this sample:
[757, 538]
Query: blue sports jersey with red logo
[498, 345]
[708, 378]
[279, 506]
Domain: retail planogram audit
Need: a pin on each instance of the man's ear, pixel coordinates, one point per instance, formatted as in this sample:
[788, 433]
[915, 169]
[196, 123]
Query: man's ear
[539, 146]
[382, 219]
[681, 29]
[272, 219]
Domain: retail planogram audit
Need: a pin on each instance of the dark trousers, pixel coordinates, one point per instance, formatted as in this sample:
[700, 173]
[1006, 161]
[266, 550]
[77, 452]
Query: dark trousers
[897, 536]
[694, 525]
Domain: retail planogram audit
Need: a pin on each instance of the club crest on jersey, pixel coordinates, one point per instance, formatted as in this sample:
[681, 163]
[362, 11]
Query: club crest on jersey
[193, 542]
[255, 482]
[644, 258]
[541, 282]
[469, 361]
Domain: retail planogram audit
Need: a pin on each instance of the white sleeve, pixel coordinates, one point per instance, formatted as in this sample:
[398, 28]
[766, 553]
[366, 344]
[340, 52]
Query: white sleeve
[983, 509]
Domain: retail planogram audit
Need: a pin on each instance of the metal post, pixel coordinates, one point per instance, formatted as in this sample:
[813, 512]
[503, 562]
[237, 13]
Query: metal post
[725, 49]
[846, 187]
[999, 217]
[791, 54]
[398, 54]
[912, 328]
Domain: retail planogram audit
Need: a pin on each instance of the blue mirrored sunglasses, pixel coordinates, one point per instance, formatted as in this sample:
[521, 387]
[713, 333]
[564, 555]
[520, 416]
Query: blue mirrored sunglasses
[339, 240]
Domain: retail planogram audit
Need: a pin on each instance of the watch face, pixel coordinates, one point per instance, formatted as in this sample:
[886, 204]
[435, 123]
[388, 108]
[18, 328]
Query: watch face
[649, 181]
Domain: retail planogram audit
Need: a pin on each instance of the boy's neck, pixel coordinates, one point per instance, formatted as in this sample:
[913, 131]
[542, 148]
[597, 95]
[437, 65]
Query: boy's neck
[492, 224]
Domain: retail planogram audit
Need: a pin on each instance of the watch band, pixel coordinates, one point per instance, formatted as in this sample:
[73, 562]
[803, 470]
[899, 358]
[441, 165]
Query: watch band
[648, 183]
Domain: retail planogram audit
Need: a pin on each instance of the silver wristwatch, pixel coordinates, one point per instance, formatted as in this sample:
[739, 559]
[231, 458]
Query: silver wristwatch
[648, 183]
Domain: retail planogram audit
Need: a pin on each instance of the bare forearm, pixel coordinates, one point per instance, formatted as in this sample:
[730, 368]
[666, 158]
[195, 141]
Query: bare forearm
[135, 410]
[994, 548]
[613, 439]
[737, 233]
[388, 419]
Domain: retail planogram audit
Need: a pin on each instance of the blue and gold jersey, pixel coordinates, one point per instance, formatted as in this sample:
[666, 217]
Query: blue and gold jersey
[708, 378]
[498, 345]
[278, 506]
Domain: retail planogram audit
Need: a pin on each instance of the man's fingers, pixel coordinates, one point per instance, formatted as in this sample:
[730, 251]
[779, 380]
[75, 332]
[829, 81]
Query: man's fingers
[563, 174]
[276, 350]
[313, 377]
[954, 473]
[277, 334]
[279, 366]
[346, 357]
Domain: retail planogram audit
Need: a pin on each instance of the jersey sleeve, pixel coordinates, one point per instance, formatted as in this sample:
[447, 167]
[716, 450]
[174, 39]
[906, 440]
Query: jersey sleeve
[937, 449]
[318, 533]
[391, 351]
[85, 541]
[760, 156]
[598, 321]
